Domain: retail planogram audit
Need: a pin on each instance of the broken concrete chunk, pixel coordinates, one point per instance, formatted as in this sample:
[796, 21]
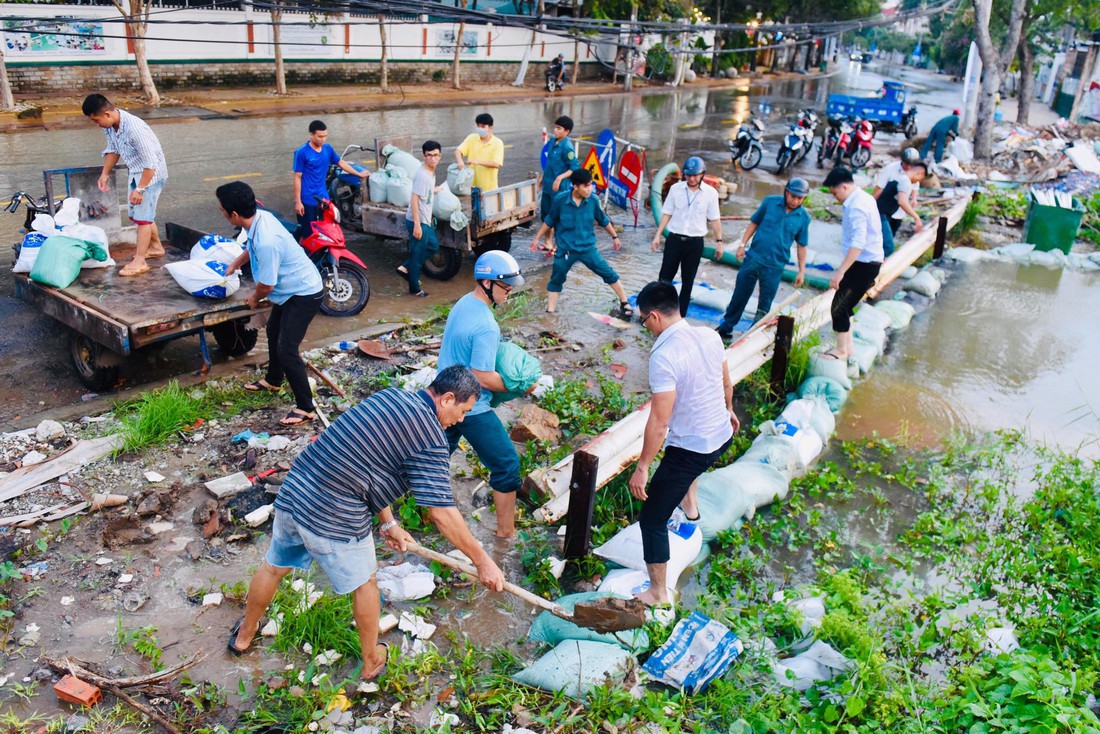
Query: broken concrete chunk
[228, 486]
[126, 578]
[154, 477]
[33, 457]
[328, 657]
[416, 626]
[271, 629]
[387, 623]
[104, 561]
[157, 528]
[213, 600]
[259, 516]
[48, 430]
[536, 424]
[150, 505]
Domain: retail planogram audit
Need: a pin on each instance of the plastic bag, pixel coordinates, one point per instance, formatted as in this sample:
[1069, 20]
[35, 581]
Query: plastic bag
[519, 371]
[460, 182]
[900, 313]
[445, 204]
[834, 369]
[216, 247]
[59, 258]
[459, 221]
[405, 581]
[830, 390]
[698, 651]
[735, 491]
[397, 158]
[552, 630]
[625, 549]
[398, 188]
[68, 214]
[575, 667]
[204, 279]
[813, 413]
[28, 252]
[819, 662]
[376, 186]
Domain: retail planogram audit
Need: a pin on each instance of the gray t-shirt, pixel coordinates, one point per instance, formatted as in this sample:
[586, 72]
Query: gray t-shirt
[424, 188]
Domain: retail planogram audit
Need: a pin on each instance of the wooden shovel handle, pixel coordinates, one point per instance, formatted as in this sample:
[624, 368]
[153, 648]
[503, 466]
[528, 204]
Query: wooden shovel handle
[555, 609]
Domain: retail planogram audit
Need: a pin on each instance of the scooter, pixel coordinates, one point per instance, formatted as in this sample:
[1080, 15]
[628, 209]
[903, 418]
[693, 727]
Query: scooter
[830, 140]
[345, 189]
[555, 77]
[789, 149]
[807, 128]
[745, 148]
[858, 147]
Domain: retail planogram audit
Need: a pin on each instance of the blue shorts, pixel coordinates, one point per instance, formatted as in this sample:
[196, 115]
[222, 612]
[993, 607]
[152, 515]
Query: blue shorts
[592, 259]
[348, 564]
[146, 211]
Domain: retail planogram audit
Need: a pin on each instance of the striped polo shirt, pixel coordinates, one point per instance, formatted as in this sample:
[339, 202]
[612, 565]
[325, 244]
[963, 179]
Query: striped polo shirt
[366, 460]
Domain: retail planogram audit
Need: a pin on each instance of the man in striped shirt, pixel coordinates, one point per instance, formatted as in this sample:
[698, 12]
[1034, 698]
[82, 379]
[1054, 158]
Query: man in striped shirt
[391, 443]
[131, 139]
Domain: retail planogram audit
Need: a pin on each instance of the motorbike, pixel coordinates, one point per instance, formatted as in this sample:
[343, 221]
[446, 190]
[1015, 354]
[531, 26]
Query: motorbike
[845, 138]
[746, 148]
[830, 140]
[858, 149]
[555, 77]
[345, 189]
[797, 142]
[807, 128]
[906, 125]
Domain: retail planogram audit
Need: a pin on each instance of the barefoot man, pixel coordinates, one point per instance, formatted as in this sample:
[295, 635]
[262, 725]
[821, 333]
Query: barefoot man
[389, 444]
[693, 408]
[131, 139]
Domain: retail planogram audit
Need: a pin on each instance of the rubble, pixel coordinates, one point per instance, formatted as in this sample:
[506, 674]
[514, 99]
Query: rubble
[536, 424]
[228, 486]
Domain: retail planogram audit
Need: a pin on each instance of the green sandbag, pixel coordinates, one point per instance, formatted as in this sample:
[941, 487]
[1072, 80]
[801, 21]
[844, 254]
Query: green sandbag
[729, 257]
[829, 389]
[900, 313]
[552, 630]
[59, 259]
[518, 369]
[575, 667]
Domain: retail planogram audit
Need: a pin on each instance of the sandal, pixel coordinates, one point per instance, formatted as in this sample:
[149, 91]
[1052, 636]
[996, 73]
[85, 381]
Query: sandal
[130, 270]
[625, 310]
[832, 355]
[401, 271]
[385, 665]
[421, 294]
[231, 643]
[260, 385]
[297, 417]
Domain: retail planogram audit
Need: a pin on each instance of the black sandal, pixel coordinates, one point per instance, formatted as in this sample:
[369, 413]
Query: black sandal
[259, 386]
[625, 310]
[297, 417]
[231, 643]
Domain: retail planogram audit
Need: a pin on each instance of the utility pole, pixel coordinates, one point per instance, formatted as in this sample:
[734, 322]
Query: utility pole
[628, 83]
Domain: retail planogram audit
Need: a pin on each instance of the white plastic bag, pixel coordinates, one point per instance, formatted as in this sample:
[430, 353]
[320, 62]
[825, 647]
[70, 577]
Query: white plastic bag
[819, 662]
[216, 247]
[204, 279]
[405, 581]
[68, 214]
[805, 441]
[813, 413]
[459, 221]
[625, 549]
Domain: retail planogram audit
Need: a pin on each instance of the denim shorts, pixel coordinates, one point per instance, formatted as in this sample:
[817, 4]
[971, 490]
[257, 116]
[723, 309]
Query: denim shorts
[348, 564]
[146, 211]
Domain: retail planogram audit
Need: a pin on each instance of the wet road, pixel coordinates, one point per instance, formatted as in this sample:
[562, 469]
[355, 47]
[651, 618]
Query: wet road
[34, 370]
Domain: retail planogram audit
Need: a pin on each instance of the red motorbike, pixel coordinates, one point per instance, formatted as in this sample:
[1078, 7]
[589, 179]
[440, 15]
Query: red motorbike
[858, 145]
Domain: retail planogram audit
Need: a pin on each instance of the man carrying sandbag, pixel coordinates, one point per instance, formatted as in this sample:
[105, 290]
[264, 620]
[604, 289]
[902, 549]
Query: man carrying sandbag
[423, 242]
[484, 151]
[692, 407]
[130, 139]
[388, 445]
[311, 164]
[471, 339]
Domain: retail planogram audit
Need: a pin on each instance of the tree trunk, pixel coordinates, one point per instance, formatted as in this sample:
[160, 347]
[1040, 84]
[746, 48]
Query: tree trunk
[576, 62]
[280, 67]
[7, 101]
[137, 25]
[1027, 81]
[385, 81]
[994, 64]
[456, 78]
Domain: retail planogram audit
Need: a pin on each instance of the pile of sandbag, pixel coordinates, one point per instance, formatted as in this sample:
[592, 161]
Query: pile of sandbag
[1025, 254]
[446, 207]
[205, 274]
[67, 224]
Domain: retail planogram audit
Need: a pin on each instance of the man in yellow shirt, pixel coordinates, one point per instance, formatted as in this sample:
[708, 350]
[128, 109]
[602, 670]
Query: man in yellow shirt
[484, 151]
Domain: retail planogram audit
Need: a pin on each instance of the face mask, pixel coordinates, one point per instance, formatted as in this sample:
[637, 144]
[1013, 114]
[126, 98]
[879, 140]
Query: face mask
[483, 132]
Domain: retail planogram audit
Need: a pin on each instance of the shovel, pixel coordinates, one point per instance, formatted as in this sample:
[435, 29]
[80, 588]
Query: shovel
[603, 615]
[378, 350]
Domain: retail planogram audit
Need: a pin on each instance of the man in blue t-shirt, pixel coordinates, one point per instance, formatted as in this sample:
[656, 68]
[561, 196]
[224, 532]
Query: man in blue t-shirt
[311, 164]
[471, 339]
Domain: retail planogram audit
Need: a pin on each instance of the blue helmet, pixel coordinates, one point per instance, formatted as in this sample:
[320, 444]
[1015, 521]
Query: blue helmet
[694, 166]
[498, 266]
[798, 187]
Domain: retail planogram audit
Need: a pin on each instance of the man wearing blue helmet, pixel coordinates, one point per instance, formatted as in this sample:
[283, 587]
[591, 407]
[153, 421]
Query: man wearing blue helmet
[688, 208]
[777, 222]
[471, 339]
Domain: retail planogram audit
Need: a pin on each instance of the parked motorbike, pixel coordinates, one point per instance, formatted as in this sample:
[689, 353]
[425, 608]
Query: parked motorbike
[858, 148]
[34, 207]
[555, 77]
[807, 128]
[789, 149]
[746, 148]
[345, 189]
[830, 140]
[845, 138]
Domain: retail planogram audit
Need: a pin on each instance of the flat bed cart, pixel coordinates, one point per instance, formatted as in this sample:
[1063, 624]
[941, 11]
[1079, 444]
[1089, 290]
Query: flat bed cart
[886, 112]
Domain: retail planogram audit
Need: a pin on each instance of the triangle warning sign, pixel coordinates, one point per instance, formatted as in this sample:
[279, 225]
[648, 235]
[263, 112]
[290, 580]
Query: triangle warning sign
[592, 165]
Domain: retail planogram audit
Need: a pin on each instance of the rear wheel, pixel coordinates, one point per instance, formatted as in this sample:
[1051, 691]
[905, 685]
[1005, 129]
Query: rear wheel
[911, 129]
[551, 85]
[346, 290]
[444, 264]
[751, 158]
[782, 161]
[860, 157]
[87, 358]
[234, 338]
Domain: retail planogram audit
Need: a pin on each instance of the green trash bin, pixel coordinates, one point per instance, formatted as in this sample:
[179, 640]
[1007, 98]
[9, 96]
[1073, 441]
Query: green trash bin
[1052, 227]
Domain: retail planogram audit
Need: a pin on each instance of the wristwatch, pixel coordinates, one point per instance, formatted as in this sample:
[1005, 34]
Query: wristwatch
[721, 242]
[387, 525]
[139, 190]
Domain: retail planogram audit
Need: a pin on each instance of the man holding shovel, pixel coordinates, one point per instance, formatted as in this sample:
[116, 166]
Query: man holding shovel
[391, 443]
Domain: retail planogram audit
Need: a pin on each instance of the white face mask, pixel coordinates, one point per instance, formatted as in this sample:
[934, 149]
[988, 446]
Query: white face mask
[483, 132]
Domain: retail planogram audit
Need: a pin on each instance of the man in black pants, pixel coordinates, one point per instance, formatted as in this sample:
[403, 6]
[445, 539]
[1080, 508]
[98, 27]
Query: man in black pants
[861, 237]
[693, 407]
[687, 209]
[287, 278]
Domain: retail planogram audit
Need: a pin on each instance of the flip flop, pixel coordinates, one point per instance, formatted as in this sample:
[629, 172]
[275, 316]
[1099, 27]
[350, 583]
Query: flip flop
[402, 273]
[421, 294]
[625, 311]
[128, 272]
[385, 666]
[832, 355]
[259, 385]
[297, 418]
[231, 643]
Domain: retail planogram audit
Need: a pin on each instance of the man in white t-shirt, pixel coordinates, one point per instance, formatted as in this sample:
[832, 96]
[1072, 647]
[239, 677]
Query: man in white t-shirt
[692, 407]
[423, 242]
[688, 208]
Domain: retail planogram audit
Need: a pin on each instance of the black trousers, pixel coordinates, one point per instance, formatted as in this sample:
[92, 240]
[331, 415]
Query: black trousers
[683, 254]
[285, 331]
[858, 278]
[668, 487]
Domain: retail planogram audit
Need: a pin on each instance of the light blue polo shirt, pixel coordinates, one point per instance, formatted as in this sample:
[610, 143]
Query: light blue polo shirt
[470, 339]
[279, 261]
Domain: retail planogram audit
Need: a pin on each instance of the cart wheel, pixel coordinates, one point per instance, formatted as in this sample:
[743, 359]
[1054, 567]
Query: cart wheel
[497, 241]
[444, 264]
[234, 338]
[86, 357]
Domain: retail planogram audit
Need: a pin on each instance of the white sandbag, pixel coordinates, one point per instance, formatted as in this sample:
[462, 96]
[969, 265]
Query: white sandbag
[68, 214]
[864, 355]
[966, 254]
[204, 279]
[909, 272]
[575, 667]
[824, 259]
[820, 662]
[459, 221]
[625, 549]
[866, 314]
[900, 313]
[835, 369]
[925, 284]
[460, 181]
[939, 274]
[716, 299]
[551, 630]
[417, 380]
[625, 582]
[813, 413]
[1014, 251]
[698, 651]
[775, 452]
[397, 158]
[377, 185]
[28, 251]
[735, 491]
[869, 334]
[216, 247]
[88, 233]
[807, 444]
[962, 149]
[445, 204]
[44, 223]
[398, 189]
[1051, 259]
[1081, 262]
[810, 610]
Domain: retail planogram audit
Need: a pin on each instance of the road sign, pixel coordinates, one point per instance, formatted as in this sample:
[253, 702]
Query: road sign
[545, 153]
[605, 143]
[592, 165]
[618, 192]
[630, 171]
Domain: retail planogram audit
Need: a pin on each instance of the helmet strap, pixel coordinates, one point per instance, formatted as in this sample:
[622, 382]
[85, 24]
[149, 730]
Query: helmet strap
[488, 292]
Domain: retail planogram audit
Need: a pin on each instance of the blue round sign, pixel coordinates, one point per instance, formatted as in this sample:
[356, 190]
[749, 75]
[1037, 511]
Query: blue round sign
[605, 145]
[546, 152]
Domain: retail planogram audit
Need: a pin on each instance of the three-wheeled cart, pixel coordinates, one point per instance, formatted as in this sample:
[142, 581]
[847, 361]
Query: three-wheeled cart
[886, 111]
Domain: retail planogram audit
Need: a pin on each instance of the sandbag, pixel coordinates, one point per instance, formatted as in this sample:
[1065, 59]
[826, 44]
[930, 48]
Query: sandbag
[28, 251]
[626, 582]
[59, 258]
[397, 158]
[812, 413]
[715, 299]
[908, 273]
[735, 491]
[68, 213]
[807, 444]
[834, 369]
[1014, 251]
[376, 186]
[575, 667]
[966, 254]
[90, 233]
[519, 371]
[864, 355]
[698, 651]
[459, 221]
[445, 204]
[1051, 259]
[866, 314]
[204, 279]
[775, 452]
[218, 248]
[398, 188]
[919, 303]
[868, 334]
[830, 390]
[900, 313]
[625, 549]
[939, 274]
[551, 630]
[925, 284]
[1082, 262]
[460, 181]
